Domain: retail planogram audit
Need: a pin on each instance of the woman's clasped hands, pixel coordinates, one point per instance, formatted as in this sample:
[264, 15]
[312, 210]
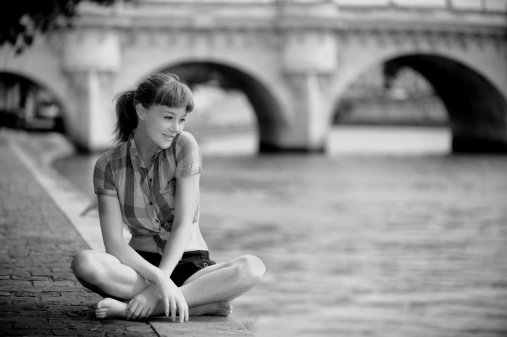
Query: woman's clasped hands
[163, 290]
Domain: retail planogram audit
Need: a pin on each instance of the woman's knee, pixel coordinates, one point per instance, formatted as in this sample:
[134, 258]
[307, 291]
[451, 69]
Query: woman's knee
[87, 267]
[250, 268]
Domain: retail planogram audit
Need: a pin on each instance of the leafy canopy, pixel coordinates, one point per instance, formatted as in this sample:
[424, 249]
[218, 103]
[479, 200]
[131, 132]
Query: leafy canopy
[21, 20]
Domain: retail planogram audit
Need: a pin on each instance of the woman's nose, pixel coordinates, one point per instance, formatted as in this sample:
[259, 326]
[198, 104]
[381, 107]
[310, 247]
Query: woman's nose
[175, 127]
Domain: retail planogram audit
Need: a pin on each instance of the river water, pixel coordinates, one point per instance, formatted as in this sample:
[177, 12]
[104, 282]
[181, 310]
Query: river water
[385, 235]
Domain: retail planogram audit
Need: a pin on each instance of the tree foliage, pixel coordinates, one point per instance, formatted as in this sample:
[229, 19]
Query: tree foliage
[21, 20]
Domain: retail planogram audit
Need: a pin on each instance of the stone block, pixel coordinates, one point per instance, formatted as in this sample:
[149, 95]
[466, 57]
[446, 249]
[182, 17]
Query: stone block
[199, 326]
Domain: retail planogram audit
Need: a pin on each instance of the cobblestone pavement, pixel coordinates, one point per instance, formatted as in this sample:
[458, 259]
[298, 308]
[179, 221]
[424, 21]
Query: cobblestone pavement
[39, 295]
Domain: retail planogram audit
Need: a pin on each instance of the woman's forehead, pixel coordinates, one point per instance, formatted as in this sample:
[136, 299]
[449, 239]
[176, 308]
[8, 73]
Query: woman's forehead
[168, 109]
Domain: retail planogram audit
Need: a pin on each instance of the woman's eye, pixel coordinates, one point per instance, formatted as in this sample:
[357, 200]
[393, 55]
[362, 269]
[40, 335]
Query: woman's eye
[183, 120]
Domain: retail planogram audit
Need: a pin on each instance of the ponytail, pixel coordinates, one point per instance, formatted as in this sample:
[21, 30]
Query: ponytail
[126, 116]
[160, 89]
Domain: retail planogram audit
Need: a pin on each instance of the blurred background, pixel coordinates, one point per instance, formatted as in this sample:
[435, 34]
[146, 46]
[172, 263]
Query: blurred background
[356, 146]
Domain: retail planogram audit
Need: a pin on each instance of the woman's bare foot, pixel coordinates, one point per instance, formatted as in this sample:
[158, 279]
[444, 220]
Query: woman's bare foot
[218, 309]
[110, 308]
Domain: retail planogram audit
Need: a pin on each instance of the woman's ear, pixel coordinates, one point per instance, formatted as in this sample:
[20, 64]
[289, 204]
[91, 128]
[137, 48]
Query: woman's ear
[140, 111]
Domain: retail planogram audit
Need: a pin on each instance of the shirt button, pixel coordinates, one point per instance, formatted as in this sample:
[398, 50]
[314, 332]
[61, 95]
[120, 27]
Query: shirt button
[151, 203]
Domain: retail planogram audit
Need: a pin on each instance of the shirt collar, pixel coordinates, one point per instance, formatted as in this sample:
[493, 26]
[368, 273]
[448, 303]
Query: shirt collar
[133, 148]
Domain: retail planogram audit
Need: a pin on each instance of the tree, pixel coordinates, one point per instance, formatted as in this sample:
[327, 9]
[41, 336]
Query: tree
[21, 20]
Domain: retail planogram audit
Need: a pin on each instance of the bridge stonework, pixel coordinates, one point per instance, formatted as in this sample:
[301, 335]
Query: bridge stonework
[292, 60]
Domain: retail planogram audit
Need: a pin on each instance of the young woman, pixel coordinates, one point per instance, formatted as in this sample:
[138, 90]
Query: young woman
[150, 182]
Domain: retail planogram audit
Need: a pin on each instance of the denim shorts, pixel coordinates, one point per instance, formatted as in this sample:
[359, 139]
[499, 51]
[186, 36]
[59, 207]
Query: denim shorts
[190, 263]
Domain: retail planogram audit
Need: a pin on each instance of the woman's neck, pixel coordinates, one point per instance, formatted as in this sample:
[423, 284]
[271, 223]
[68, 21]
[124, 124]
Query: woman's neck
[145, 146]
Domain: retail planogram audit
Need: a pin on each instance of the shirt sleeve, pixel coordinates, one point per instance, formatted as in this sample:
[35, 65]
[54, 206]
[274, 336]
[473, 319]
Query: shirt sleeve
[188, 156]
[103, 181]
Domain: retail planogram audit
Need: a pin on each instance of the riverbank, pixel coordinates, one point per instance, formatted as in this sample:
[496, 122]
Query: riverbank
[39, 294]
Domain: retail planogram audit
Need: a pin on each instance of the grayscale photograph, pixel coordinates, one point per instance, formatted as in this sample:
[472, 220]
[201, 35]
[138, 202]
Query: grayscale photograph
[268, 168]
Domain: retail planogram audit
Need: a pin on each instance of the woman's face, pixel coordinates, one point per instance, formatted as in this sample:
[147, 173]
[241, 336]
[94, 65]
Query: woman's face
[163, 123]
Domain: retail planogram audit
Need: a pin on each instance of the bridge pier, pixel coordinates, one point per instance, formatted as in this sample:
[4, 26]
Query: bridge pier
[310, 106]
[90, 60]
[479, 137]
[309, 63]
[471, 145]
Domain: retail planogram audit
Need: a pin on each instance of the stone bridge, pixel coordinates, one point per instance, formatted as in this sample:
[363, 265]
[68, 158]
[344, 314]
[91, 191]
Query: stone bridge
[292, 59]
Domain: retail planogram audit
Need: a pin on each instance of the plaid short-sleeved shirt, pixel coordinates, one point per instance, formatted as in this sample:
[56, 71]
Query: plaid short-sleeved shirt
[147, 197]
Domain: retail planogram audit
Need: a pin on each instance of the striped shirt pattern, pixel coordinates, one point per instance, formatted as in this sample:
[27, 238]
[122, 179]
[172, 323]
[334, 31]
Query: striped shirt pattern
[146, 197]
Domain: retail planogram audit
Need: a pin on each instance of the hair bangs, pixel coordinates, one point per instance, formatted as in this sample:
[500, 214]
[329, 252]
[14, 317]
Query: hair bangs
[175, 95]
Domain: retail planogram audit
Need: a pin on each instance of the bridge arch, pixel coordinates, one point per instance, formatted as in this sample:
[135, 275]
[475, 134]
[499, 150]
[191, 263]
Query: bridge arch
[267, 108]
[34, 102]
[477, 109]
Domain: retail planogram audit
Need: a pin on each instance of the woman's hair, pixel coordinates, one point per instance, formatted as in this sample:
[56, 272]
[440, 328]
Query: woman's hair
[158, 89]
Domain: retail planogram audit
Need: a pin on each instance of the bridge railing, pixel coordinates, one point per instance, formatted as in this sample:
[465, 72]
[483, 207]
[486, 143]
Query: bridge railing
[452, 5]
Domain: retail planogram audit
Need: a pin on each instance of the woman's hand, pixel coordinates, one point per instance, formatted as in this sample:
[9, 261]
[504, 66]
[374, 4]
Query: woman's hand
[143, 304]
[172, 297]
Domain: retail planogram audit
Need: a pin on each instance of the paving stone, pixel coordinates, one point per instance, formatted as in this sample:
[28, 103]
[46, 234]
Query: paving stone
[138, 328]
[33, 294]
[7, 283]
[24, 300]
[5, 300]
[72, 300]
[42, 272]
[55, 283]
[26, 332]
[90, 333]
[18, 308]
[199, 326]
[30, 289]
[30, 278]
[63, 276]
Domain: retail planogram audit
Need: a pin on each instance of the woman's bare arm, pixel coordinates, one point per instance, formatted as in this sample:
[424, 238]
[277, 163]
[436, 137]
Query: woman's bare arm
[186, 201]
[111, 224]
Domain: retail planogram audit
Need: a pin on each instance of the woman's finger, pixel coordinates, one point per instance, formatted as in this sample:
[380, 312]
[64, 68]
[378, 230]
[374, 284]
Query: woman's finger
[181, 311]
[166, 306]
[173, 309]
[142, 314]
[182, 307]
[149, 312]
[131, 310]
[136, 313]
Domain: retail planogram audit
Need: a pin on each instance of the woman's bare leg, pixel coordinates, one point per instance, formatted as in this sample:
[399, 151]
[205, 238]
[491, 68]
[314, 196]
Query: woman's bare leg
[223, 281]
[208, 291]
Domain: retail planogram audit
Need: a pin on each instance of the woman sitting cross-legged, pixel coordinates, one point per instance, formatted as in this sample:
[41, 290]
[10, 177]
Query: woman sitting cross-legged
[150, 182]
